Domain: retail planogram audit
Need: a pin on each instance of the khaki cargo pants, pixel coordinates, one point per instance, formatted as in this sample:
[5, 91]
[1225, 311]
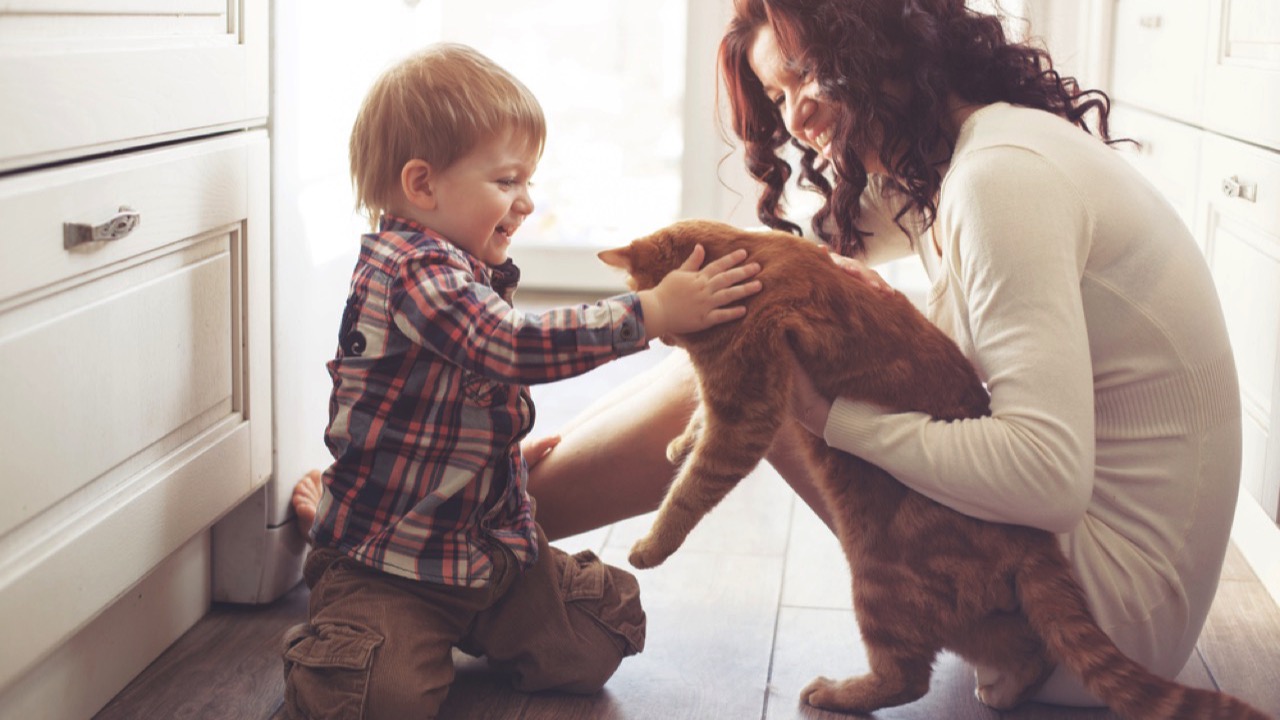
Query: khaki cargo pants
[379, 647]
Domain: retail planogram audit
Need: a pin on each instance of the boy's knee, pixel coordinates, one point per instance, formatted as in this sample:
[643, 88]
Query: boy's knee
[586, 675]
[603, 622]
[604, 598]
[327, 671]
[333, 672]
[405, 699]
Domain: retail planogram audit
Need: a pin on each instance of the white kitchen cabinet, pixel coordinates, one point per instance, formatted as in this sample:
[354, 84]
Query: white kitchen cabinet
[1198, 81]
[1240, 225]
[138, 407]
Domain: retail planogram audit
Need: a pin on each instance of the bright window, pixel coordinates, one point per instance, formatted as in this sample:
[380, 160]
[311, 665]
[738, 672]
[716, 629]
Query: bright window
[610, 75]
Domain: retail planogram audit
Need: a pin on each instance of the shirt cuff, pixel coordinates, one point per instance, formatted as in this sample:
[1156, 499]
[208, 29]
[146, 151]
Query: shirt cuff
[628, 324]
[851, 425]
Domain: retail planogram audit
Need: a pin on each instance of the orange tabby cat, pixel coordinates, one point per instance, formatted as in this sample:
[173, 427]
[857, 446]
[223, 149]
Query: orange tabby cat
[925, 577]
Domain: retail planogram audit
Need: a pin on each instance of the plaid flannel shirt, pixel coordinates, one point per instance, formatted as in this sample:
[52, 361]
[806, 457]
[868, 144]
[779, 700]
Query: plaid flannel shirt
[430, 402]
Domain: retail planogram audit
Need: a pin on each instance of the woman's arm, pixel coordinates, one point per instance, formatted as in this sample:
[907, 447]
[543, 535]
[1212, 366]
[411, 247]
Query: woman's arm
[1015, 240]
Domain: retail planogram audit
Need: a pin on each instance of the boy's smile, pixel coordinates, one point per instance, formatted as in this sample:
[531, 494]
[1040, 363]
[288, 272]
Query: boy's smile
[482, 198]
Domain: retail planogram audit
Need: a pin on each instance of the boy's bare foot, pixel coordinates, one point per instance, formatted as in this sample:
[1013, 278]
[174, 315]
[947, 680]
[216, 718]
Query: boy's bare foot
[306, 497]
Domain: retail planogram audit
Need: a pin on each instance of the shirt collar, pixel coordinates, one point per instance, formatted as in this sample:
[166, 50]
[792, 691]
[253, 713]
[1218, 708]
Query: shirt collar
[503, 278]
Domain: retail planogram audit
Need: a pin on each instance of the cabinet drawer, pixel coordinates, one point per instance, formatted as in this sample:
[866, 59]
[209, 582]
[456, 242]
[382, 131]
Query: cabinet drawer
[120, 351]
[1242, 88]
[1158, 58]
[179, 192]
[1239, 189]
[1168, 155]
[89, 76]
[138, 398]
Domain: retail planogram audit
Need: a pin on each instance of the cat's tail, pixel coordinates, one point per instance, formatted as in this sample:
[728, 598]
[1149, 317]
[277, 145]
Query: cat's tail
[1056, 607]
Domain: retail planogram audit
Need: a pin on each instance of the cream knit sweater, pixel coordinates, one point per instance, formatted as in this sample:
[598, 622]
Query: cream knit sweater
[1089, 311]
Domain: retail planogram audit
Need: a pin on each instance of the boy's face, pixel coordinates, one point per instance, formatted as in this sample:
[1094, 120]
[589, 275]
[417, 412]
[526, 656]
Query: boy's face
[483, 197]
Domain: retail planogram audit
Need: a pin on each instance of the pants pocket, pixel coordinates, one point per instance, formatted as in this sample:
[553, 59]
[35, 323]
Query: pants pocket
[610, 596]
[326, 671]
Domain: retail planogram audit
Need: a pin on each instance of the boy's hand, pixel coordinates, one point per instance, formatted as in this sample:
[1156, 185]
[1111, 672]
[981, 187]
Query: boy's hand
[689, 299]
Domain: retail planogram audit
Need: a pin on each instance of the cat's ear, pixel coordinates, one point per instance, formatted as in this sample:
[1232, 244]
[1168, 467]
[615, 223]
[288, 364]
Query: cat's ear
[617, 257]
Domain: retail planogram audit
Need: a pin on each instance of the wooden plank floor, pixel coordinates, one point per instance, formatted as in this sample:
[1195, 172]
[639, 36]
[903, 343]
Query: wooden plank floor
[740, 619]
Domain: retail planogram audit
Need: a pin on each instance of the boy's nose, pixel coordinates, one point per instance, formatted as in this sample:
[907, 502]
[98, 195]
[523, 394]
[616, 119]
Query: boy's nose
[524, 203]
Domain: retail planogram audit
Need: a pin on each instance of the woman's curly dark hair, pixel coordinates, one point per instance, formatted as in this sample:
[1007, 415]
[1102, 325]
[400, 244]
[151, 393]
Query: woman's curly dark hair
[937, 49]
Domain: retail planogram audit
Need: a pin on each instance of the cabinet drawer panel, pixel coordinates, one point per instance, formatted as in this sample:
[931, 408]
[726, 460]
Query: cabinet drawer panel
[96, 77]
[178, 193]
[1246, 270]
[104, 370]
[1158, 61]
[1253, 455]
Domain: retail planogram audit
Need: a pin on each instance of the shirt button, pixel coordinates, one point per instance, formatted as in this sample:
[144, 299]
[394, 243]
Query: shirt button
[628, 332]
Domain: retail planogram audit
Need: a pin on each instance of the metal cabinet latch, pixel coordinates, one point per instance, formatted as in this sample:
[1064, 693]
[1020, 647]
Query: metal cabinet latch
[1232, 187]
[123, 223]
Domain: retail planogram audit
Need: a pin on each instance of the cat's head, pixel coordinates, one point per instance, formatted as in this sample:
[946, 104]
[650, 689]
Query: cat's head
[649, 259]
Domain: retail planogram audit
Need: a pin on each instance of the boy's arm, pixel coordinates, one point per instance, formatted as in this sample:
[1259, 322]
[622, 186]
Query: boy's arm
[441, 307]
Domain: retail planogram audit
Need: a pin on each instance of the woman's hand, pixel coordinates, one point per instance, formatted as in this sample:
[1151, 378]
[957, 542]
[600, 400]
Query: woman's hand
[861, 271]
[810, 407]
[690, 299]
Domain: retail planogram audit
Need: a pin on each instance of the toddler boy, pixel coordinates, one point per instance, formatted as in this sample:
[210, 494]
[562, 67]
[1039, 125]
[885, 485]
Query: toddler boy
[424, 537]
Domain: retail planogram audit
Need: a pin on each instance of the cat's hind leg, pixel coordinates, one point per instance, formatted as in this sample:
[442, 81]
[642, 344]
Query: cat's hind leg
[1010, 662]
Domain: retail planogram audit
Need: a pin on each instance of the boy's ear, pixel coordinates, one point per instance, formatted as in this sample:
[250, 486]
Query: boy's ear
[416, 180]
[617, 257]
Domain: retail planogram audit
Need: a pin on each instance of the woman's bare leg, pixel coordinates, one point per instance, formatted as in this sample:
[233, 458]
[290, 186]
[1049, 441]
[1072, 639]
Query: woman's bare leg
[611, 463]
[787, 456]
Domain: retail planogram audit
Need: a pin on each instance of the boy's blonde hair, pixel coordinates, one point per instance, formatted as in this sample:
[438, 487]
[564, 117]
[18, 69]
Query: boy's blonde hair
[436, 105]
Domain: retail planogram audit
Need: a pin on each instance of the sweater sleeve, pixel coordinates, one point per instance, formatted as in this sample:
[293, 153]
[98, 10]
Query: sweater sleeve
[1015, 237]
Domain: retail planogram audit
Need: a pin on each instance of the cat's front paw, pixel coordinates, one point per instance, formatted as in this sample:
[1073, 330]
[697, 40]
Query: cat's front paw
[647, 553]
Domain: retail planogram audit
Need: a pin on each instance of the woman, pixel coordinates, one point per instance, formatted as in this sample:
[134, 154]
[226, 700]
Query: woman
[1078, 294]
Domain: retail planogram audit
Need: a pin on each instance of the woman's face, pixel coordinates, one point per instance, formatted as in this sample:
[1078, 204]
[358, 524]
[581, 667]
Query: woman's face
[808, 115]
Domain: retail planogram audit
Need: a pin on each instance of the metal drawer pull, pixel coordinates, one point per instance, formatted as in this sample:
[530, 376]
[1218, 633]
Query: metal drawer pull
[75, 234]
[1150, 22]
[1232, 187]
